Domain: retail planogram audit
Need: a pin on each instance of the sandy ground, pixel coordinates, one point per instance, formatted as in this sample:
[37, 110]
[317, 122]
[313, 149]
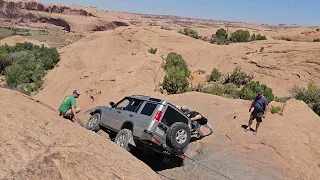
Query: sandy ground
[286, 146]
[37, 144]
[105, 66]
[13, 40]
[108, 65]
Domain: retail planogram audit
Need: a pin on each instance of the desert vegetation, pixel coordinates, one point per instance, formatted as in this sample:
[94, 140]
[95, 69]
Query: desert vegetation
[24, 65]
[275, 109]
[166, 28]
[316, 40]
[190, 32]
[176, 80]
[310, 95]
[237, 84]
[222, 37]
[153, 50]
[17, 31]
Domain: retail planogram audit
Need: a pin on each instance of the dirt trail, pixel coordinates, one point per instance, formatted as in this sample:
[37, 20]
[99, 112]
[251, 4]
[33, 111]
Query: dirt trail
[286, 146]
[37, 144]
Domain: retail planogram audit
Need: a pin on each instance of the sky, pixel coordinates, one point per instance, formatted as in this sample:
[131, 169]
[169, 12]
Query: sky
[300, 12]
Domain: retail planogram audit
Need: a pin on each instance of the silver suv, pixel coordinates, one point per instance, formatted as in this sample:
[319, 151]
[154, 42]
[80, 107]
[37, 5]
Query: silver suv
[143, 121]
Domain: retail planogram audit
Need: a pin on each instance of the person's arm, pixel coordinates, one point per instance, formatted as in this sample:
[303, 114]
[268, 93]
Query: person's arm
[252, 104]
[196, 117]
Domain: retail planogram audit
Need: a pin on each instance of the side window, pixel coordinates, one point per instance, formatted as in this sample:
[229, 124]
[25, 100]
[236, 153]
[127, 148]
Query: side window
[171, 116]
[148, 109]
[131, 105]
[122, 104]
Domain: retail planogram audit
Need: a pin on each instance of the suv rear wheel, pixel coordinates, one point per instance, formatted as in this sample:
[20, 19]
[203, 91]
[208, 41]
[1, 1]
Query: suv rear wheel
[123, 137]
[94, 122]
[179, 135]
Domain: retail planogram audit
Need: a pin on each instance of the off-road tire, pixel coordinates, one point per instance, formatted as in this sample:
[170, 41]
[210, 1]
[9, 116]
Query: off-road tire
[96, 125]
[126, 134]
[172, 134]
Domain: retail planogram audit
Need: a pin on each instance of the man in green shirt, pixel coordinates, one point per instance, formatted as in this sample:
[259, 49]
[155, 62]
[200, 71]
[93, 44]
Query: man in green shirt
[68, 107]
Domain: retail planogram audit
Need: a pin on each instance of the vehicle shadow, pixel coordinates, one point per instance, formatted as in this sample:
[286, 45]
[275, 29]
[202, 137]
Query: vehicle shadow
[155, 162]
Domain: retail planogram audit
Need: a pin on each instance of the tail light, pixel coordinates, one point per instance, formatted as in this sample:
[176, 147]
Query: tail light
[158, 116]
[155, 140]
[182, 156]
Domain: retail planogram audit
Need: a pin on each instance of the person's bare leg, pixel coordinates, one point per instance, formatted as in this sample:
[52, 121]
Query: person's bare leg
[249, 125]
[257, 126]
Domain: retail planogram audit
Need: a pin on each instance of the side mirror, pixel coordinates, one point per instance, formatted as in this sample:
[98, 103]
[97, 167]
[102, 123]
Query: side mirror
[111, 104]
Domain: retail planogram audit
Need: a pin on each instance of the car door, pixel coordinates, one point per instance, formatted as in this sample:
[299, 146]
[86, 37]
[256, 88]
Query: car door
[143, 117]
[122, 112]
[112, 114]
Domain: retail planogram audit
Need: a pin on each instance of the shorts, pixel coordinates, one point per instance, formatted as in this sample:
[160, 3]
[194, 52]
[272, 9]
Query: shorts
[69, 112]
[256, 115]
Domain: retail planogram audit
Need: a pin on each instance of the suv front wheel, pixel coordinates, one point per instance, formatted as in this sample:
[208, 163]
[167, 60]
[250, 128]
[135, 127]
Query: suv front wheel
[122, 138]
[94, 122]
[179, 135]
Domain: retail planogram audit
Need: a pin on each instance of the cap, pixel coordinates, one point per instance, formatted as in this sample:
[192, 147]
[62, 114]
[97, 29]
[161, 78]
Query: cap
[260, 92]
[76, 92]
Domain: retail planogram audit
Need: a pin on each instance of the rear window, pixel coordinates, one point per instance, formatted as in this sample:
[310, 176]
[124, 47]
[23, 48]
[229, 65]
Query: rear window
[148, 109]
[171, 116]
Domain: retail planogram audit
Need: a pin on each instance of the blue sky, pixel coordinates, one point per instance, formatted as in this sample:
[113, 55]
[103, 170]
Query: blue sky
[301, 12]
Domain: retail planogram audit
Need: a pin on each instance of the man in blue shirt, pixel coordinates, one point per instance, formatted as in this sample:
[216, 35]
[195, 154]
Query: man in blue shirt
[260, 105]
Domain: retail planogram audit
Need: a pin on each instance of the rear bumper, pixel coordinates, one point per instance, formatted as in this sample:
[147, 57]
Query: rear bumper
[156, 144]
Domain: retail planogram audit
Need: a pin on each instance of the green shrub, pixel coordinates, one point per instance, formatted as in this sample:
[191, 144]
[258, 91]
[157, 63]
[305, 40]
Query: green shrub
[4, 62]
[253, 37]
[316, 108]
[215, 75]
[224, 90]
[205, 38]
[221, 34]
[153, 51]
[166, 28]
[275, 109]
[249, 91]
[281, 99]
[220, 38]
[189, 32]
[260, 37]
[24, 65]
[240, 36]
[316, 40]
[238, 77]
[309, 95]
[175, 60]
[175, 81]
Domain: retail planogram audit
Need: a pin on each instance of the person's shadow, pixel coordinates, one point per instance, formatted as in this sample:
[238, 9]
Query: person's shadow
[246, 126]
